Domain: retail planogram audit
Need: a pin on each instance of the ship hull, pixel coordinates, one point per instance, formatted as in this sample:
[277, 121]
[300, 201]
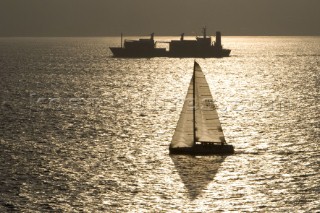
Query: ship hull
[203, 150]
[161, 52]
[211, 53]
[138, 53]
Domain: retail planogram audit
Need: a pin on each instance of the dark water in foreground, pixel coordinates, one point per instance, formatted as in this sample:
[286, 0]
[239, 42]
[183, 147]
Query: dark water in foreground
[80, 131]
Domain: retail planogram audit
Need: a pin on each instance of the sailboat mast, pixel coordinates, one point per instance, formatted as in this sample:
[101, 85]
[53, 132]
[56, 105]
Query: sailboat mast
[194, 104]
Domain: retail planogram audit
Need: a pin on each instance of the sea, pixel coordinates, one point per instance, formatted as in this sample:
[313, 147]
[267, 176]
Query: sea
[81, 131]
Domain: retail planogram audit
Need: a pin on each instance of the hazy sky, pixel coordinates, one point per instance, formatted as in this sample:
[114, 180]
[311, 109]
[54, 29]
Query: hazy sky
[164, 17]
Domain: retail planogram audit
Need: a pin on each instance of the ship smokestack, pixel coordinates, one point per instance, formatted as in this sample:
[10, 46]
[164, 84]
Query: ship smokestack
[204, 32]
[121, 40]
[218, 39]
[182, 37]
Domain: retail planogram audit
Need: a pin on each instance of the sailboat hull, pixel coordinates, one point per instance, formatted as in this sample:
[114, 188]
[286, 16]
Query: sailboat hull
[216, 149]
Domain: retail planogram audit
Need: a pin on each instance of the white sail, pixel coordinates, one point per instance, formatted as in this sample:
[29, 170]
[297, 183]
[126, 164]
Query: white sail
[208, 127]
[183, 135]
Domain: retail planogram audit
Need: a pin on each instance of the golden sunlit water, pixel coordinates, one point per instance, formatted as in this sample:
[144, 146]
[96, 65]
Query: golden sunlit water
[84, 132]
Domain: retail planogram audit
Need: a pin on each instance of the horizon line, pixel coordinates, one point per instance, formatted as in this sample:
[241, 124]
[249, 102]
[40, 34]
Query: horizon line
[84, 36]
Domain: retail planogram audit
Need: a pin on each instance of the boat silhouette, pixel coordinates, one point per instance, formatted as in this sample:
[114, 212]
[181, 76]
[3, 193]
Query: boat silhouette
[202, 47]
[199, 131]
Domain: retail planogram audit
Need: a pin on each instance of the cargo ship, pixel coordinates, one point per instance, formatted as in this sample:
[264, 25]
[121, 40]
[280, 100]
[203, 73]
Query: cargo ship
[202, 47]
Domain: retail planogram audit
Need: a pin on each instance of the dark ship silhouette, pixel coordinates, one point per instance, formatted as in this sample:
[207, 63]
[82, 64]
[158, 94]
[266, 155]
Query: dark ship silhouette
[202, 47]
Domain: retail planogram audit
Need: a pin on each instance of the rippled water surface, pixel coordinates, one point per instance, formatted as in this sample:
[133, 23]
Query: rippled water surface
[82, 131]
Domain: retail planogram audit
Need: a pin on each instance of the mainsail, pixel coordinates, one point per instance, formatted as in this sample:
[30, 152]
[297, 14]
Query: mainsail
[207, 127]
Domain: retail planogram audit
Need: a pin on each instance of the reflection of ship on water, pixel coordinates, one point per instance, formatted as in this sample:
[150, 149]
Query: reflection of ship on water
[197, 172]
[202, 47]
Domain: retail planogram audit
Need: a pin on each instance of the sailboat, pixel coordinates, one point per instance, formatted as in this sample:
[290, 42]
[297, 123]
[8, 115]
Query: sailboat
[199, 131]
